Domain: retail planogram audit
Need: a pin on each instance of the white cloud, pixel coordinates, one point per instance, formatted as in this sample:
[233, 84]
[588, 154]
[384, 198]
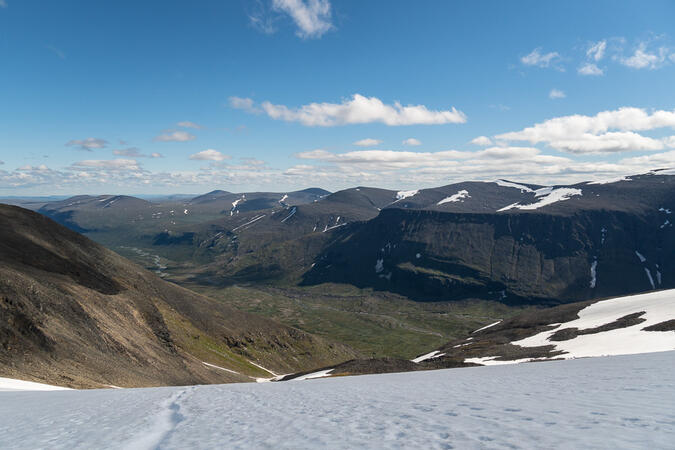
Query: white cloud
[312, 17]
[188, 124]
[556, 94]
[483, 141]
[245, 104]
[357, 110]
[88, 144]
[133, 152]
[110, 164]
[596, 51]
[412, 142]
[593, 134]
[368, 142]
[536, 58]
[3, 4]
[409, 159]
[590, 69]
[209, 155]
[399, 169]
[175, 136]
[643, 59]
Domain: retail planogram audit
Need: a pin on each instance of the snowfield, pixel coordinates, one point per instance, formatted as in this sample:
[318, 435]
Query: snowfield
[653, 307]
[613, 402]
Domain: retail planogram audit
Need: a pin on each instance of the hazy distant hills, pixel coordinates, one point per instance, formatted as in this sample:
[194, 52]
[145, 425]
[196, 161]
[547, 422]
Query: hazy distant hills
[504, 241]
[76, 314]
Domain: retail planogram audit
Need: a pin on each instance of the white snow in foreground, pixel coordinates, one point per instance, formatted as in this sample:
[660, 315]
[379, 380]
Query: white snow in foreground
[658, 307]
[458, 197]
[431, 355]
[400, 195]
[10, 384]
[487, 326]
[548, 196]
[616, 402]
[283, 199]
[505, 183]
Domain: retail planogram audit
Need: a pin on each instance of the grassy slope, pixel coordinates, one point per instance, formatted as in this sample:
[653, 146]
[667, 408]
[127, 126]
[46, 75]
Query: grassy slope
[376, 324]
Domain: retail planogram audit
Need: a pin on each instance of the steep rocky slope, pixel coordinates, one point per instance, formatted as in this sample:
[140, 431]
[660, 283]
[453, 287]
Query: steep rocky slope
[76, 314]
[612, 239]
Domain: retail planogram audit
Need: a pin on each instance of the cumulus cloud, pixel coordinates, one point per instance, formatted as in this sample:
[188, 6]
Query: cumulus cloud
[642, 58]
[209, 155]
[596, 51]
[606, 132]
[175, 136]
[357, 110]
[483, 141]
[133, 152]
[87, 144]
[556, 94]
[409, 159]
[245, 104]
[398, 169]
[368, 142]
[590, 69]
[312, 17]
[188, 124]
[538, 59]
[412, 142]
[108, 164]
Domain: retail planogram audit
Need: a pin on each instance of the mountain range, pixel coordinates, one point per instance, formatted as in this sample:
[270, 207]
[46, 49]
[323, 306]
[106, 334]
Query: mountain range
[392, 274]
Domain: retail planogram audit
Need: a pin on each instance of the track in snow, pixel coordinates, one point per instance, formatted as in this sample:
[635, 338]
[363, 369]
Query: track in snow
[612, 402]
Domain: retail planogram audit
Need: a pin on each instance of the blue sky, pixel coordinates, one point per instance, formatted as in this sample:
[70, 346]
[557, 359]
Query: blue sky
[167, 96]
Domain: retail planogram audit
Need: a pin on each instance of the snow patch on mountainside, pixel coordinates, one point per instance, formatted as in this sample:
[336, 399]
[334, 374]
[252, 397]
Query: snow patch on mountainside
[458, 197]
[430, 355]
[310, 376]
[610, 180]
[657, 307]
[549, 196]
[10, 384]
[487, 326]
[400, 195]
[505, 183]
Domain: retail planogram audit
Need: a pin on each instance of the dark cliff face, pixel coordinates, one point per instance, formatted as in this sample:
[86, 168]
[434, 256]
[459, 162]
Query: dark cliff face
[524, 257]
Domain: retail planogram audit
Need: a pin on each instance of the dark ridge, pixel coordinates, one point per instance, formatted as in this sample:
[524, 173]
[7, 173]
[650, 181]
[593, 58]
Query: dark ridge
[623, 322]
[668, 325]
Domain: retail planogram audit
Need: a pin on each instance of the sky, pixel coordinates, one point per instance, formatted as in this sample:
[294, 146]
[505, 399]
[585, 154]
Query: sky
[163, 97]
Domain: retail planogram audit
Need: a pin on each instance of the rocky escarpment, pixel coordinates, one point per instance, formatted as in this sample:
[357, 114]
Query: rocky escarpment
[523, 257]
